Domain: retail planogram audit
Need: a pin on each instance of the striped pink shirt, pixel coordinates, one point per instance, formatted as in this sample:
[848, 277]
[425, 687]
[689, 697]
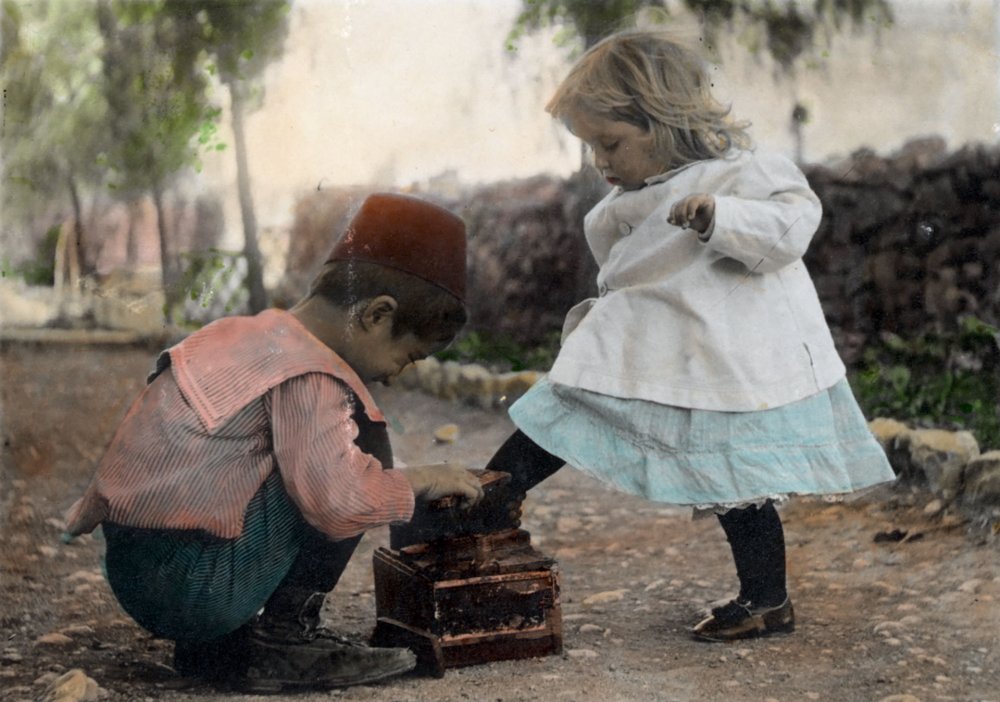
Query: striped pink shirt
[241, 397]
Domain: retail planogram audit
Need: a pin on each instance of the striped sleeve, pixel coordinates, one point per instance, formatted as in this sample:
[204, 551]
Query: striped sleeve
[340, 490]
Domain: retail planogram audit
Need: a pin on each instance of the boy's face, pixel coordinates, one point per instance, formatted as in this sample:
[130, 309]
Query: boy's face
[378, 356]
[624, 153]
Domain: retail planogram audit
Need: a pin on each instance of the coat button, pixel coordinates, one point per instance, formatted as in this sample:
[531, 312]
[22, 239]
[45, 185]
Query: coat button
[625, 228]
[602, 289]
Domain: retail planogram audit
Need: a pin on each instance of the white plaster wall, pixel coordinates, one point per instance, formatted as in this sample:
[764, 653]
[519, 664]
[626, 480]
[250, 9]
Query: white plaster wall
[393, 92]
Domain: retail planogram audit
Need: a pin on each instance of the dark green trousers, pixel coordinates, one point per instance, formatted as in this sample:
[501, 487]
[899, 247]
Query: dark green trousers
[190, 585]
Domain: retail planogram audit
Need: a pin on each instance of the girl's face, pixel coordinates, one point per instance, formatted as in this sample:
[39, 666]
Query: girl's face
[624, 153]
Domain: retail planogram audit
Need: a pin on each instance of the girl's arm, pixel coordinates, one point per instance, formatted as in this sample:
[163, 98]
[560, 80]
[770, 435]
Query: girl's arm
[765, 219]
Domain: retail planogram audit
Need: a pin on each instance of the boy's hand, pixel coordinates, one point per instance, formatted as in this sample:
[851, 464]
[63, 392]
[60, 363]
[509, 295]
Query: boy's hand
[436, 481]
[694, 212]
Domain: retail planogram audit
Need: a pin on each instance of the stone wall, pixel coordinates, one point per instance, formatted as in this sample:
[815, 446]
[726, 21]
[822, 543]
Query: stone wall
[907, 242]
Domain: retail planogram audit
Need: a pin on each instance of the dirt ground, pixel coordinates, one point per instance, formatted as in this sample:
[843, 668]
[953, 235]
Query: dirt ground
[914, 615]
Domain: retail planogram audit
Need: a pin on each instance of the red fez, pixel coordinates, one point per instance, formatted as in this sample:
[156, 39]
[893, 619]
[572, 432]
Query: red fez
[410, 235]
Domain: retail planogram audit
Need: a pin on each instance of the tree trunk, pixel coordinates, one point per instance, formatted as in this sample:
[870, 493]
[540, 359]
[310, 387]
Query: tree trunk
[134, 208]
[166, 263]
[75, 252]
[251, 249]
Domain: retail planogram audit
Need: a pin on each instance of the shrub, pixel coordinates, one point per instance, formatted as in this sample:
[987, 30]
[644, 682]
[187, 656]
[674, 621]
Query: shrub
[501, 353]
[948, 379]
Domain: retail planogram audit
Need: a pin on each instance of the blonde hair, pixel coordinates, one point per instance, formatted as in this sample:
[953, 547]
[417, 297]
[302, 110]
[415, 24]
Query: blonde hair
[652, 79]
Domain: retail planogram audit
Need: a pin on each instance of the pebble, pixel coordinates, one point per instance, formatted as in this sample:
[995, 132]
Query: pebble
[581, 653]
[54, 639]
[933, 507]
[655, 584]
[970, 586]
[900, 698]
[591, 628]
[72, 686]
[77, 630]
[446, 434]
[605, 597]
[90, 576]
[10, 655]
[567, 524]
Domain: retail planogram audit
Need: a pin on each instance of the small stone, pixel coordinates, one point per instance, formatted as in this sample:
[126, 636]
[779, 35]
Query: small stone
[48, 551]
[581, 653]
[72, 686]
[655, 584]
[886, 628]
[970, 586]
[45, 678]
[89, 576]
[564, 525]
[10, 655]
[900, 698]
[446, 434]
[77, 630]
[605, 597]
[54, 639]
[933, 507]
[590, 629]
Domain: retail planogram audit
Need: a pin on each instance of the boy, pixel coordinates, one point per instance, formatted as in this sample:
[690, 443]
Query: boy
[241, 480]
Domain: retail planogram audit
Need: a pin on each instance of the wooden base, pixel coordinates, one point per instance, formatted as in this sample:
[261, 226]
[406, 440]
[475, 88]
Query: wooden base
[471, 600]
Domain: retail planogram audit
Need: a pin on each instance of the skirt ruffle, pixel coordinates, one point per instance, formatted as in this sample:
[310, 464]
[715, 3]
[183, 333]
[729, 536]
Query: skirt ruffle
[820, 445]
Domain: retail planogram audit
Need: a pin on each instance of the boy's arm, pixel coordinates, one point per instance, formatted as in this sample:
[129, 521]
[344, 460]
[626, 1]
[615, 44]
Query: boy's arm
[339, 489]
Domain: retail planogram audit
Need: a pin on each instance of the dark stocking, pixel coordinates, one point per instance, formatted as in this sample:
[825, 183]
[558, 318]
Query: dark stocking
[758, 544]
[527, 462]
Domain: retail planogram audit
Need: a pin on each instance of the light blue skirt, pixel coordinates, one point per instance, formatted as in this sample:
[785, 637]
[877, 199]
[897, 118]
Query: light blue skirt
[820, 445]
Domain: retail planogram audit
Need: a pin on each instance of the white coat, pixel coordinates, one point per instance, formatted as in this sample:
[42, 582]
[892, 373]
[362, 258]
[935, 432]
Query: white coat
[726, 321]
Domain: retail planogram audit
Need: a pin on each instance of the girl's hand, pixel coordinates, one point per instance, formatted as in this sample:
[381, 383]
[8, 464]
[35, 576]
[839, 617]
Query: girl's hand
[693, 212]
[432, 482]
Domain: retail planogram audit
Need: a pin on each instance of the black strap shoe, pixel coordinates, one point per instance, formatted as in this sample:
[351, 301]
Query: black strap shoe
[743, 620]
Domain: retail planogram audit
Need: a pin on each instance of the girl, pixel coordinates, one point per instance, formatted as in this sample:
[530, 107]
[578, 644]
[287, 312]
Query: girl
[704, 374]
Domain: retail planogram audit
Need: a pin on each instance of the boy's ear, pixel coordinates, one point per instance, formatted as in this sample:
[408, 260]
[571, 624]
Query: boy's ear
[378, 310]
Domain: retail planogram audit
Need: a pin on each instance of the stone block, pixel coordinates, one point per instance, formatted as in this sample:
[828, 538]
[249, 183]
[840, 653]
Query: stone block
[511, 386]
[892, 435]
[938, 458]
[982, 480]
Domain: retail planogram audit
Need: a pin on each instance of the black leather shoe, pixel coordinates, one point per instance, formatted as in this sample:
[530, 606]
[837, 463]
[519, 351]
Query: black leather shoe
[324, 662]
[743, 620]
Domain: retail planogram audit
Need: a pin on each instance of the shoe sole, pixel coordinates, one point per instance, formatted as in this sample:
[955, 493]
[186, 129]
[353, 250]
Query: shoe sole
[778, 621]
[273, 686]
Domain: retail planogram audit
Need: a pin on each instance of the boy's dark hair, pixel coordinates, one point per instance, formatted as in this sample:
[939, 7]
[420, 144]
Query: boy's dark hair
[427, 311]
